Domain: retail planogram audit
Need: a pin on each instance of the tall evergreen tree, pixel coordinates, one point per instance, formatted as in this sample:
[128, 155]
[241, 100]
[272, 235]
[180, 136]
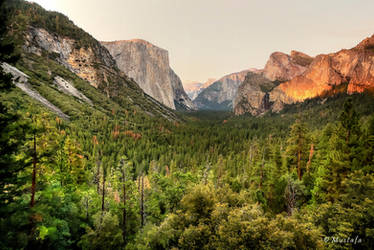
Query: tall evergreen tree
[349, 120]
[11, 129]
[298, 147]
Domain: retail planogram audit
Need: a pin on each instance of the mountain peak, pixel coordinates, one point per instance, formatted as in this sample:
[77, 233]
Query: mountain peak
[367, 43]
[283, 67]
[301, 58]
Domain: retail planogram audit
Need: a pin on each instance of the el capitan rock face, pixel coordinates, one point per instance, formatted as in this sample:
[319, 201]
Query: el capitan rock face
[149, 66]
[181, 99]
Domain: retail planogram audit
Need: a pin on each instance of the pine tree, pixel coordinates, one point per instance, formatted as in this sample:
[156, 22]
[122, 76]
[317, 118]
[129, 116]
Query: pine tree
[297, 147]
[349, 120]
[339, 149]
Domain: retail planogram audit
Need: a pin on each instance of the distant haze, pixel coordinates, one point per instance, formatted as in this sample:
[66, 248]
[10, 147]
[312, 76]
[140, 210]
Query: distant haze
[211, 38]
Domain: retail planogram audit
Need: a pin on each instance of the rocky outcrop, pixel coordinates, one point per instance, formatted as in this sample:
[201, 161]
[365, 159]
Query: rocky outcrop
[283, 67]
[67, 88]
[93, 64]
[149, 66]
[258, 93]
[253, 95]
[301, 59]
[220, 94]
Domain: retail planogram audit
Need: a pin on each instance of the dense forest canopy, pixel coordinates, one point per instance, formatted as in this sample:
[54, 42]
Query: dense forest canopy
[112, 177]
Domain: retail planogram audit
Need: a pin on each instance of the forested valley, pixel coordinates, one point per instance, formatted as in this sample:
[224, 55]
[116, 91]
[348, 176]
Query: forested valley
[211, 181]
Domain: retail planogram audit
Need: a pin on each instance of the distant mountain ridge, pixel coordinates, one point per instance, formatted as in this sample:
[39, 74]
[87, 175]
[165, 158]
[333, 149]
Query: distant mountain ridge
[221, 93]
[193, 89]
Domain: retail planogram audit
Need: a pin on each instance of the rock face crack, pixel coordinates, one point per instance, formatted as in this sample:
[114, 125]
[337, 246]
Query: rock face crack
[67, 88]
[266, 102]
[25, 87]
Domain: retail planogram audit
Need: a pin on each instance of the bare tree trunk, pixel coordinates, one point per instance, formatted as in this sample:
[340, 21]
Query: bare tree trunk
[33, 183]
[299, 164]
[290, 196]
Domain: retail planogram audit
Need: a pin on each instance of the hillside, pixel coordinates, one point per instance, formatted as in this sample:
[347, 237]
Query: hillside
[52, 46]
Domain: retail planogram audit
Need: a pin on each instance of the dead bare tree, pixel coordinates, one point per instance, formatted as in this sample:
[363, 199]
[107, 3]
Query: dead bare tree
[290, 196]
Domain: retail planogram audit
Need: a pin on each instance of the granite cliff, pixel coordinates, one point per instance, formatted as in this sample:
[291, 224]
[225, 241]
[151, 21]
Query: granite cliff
[253, 94]
[149, 66]
[283, 67]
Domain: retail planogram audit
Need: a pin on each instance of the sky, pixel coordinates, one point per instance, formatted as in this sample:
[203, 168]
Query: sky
[212, 38]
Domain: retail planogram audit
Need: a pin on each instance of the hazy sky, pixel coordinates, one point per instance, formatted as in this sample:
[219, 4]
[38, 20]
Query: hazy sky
[211, 38]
